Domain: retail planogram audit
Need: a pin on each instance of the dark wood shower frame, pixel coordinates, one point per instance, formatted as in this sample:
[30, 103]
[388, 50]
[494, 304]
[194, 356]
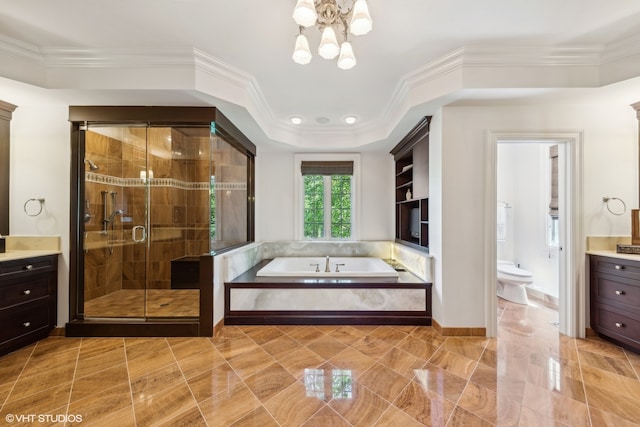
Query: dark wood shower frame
[78, 325]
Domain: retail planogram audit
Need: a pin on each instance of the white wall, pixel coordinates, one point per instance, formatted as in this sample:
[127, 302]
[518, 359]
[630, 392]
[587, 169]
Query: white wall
[524, 182]
[40, 167]
[610, 168]
[275, 198]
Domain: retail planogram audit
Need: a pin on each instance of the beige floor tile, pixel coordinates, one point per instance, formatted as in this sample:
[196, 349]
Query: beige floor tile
[622, 405]
[201, 362]
[352, 359]
[220, 379]
[384, 381]
[138, 360]
[162, 405]
[394, 417]
[99, 407]
[326, 417]
[192, 417]
[421, 348]
[292, 407]
[259, 417]
[326, 347]
[440, 382]
[463, 418]
[453, 362]
[347, 334]
[555, 406]
[248, 364]
[183, 348]
[331, 375]
[269, 381]
[98, 381]
[423, 405]
[40, 402]
[363, 408]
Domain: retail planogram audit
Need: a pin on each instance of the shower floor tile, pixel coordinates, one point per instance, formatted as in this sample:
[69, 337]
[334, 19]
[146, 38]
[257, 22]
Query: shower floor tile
[150, 303]
[329, 376]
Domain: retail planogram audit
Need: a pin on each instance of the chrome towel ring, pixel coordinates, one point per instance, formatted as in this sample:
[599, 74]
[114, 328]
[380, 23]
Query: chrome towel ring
[30, 209]
[606, 201]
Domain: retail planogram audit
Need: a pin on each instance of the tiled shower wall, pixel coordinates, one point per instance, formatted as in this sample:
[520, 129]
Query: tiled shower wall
[178, 213]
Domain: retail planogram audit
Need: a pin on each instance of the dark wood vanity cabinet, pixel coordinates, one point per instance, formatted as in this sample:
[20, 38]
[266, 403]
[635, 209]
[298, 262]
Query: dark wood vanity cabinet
[615, 299]
[28, 300]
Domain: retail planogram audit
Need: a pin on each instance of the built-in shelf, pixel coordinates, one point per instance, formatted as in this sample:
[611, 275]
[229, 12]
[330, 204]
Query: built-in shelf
[412, 174]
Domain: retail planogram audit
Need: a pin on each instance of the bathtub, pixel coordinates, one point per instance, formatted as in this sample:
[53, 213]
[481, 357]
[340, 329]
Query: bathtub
[347, 266]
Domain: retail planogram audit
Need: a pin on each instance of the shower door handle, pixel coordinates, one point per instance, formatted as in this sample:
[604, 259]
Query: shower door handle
[134, 233]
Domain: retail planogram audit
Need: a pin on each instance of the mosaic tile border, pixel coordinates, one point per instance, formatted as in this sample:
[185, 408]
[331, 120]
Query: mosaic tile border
[162, 182]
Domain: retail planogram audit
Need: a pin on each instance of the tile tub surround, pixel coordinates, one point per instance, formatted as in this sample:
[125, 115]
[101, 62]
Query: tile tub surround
[530, 375]
[19, 247]
[238, 261]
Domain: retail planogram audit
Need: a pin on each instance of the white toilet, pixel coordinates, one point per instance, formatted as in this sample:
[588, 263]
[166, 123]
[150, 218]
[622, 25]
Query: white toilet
[512, 281]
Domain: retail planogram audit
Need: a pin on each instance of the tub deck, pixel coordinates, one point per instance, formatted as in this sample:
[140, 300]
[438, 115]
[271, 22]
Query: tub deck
[299, 313]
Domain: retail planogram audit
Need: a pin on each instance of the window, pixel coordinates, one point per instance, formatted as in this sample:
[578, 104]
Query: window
[327, 199]
[326, 193]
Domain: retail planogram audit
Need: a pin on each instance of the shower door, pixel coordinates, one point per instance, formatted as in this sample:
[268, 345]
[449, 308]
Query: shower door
[146, 220]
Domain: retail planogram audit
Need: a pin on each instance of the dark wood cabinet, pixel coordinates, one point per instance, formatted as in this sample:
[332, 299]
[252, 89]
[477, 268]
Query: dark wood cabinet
[411, 157]
[28, 300]
[615, 299]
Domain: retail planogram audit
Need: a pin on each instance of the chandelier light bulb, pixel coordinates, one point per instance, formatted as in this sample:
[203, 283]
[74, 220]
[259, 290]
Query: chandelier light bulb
[328, 48]
[305, 13]
[301, 53]
[347, 59]
[361, 22]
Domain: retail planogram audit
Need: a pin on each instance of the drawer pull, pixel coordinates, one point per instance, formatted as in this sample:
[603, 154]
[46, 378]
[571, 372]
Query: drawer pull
[27, 292]
[619, 292]
[28, 267]
[26, 324]
[619, 325]
[619, 267]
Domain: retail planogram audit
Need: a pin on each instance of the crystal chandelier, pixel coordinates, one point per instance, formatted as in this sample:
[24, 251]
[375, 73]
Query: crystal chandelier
[330, 18]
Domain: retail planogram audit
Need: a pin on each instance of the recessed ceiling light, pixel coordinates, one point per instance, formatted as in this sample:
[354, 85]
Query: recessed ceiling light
[296, 120]
[323, 120]
[350, 120]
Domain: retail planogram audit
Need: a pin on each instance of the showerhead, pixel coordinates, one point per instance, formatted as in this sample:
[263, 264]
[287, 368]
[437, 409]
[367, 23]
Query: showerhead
[92, 165]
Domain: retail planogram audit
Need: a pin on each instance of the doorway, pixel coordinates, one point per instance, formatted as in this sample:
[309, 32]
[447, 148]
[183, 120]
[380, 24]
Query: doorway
[571, 246]
[528, 220]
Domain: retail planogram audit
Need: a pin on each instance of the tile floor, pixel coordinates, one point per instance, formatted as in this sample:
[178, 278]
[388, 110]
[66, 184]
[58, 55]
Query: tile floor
[149, 303]
[329, 376]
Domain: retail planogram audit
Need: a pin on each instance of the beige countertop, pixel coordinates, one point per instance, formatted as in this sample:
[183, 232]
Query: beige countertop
[22, 254]
[614, 254]
[21, 247]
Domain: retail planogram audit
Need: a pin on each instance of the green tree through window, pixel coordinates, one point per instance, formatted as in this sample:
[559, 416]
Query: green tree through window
[321, 221]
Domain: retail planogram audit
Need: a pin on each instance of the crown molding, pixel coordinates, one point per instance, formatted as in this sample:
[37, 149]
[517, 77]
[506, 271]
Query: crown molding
[435, 80]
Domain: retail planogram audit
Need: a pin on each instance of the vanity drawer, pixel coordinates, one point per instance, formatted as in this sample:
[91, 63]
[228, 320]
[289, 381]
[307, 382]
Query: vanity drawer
[28, 265]
[24, 319]
[616, 266]
[616, 290]
[25, 291]
[618, 324]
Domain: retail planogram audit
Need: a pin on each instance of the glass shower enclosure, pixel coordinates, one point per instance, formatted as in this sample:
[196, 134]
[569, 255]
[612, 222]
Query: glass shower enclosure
[159, 192]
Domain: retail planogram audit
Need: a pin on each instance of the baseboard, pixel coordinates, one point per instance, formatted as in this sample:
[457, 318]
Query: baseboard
[458, 332]
[58, 331]
[218, 327]
[590, 333]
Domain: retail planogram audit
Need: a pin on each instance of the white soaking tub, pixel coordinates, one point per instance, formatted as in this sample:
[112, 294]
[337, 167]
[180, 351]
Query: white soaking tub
[339, 267]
